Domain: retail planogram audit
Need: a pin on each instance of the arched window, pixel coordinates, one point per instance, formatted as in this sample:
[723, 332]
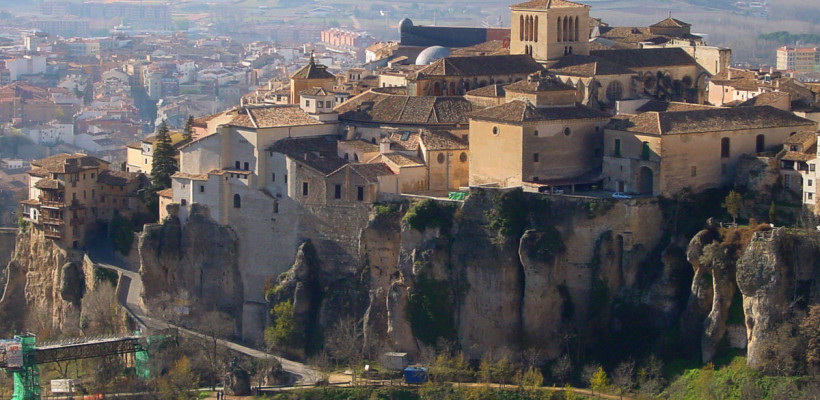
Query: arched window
[535, 30]
[237, 201]
[437, 89]
[645, 151]
[565, 27]
[724, 147]
[558, 33]
[577, 37]
[521, 28]
[760, 144]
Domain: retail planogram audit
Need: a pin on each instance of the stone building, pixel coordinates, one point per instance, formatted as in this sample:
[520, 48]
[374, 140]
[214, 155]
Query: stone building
[549, 29]
[139, 156]
[796, 164]
[310, 76]
[70, 193]
[661, 153]
[539, 135]
[454, 76]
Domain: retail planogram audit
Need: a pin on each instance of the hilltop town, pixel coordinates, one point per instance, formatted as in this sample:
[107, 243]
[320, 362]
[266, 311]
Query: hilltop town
[541, 188]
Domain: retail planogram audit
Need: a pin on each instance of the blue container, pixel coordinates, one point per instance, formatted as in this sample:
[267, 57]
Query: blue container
[415, 375]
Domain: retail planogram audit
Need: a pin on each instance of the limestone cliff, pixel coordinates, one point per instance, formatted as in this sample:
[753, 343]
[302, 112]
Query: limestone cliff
[196, 260]
[778, 275]
[47, 288]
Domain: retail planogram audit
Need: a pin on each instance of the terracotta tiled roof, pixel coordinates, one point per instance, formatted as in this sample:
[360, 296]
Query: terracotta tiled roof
[413, 110]
[523, 111]
[48, 183]
[193, 177]
[442, 140]
[117, 178]
[801, 137]
[767, 98]
[312, 71]
[404, 141]
[25, 91]
[488, 91]
[709, 120]
[548, 4]
[315, 91]
[167, 193]
[671, 23]
[65, 163]
[578, 65]
[646, 58]
[480, 66]
[318, 153]
[369, 171]
[490, 48]
[632, 35]
[808, 155]
[133, 145]
[402, 160]
[659, 105]
[538, 83]
[361, 145]
[271, 116]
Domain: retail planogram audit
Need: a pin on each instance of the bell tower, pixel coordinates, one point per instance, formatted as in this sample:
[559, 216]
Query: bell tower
[549, 29]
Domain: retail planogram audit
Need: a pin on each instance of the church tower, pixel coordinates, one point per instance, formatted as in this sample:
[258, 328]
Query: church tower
[549, 29]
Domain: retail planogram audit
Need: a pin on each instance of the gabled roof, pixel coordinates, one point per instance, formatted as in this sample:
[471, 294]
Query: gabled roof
[578, 65]
[372, 106]
[548, 4]
[315, 91]
[707, 120]
[370, 172]
[660, 105]
[65, 163]
[117, 178]
[271, 116]
[312, 71]
[480, 66]
[318, 153]
[539, 83]
[646, 58]
[767, 98]
[524, 111]
[442, 140]
[495, 90]
[671, 23]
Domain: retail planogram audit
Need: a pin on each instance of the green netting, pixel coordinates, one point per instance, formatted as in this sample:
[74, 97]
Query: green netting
[141, 364]
[27, 379]
[460, 196]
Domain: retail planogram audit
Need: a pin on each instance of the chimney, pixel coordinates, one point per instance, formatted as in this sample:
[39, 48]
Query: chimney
[384, 146]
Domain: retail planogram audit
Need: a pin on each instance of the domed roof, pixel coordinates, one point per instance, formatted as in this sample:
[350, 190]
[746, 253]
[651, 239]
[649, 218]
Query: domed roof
[430, 54]
[404, 24]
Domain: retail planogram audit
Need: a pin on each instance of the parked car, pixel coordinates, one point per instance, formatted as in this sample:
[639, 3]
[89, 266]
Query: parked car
[621, 195]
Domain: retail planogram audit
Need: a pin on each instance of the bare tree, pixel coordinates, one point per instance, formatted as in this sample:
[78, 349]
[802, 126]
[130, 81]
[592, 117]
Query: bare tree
[344, 342]
[213, 326]
[624, 377]
[561, 368]
[101, 314]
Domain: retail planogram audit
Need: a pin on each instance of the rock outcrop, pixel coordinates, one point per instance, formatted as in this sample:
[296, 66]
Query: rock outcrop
[778, 274]
[196, 260]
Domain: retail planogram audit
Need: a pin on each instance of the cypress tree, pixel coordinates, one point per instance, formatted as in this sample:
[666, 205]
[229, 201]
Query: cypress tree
[163, 165]
[189, 127]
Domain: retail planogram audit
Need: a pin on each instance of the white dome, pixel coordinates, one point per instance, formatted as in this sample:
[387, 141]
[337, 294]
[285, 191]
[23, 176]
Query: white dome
[430, 54]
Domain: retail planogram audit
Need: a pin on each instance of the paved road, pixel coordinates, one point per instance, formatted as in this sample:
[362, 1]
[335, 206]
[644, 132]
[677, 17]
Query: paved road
[128, 296]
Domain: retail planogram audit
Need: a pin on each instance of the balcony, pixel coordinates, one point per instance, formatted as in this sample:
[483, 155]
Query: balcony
[51, 221]
[53, 234]
[52, 204]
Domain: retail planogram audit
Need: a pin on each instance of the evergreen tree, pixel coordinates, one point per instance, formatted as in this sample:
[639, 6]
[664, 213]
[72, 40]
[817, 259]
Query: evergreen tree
[189, 127]
[163, 165]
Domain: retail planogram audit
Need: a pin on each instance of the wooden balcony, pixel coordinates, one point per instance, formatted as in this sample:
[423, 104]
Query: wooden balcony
[51, 221]
[53, 234]
[52, 204]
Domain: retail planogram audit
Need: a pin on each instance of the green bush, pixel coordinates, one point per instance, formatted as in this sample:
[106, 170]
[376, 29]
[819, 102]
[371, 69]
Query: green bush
[430, 214]
[284, 332]
[430, 310]
[122, 234]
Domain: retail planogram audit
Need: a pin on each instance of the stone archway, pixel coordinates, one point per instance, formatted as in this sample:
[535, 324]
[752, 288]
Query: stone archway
[645, 180]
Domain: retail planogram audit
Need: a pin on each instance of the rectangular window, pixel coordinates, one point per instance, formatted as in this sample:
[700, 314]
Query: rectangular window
[247, 167]
[809, 196]
[809, 182]
[320, 104]
[787, 181]
[645, 151]
[307, 103]
[201, 188]
[286, 178]
[617, 152]
[337, 193]
[304, 188]
[535, 157]
[237, 164]
[273, 177]
[360, 193]
[327, 104]
[811, 167]
[694, 171]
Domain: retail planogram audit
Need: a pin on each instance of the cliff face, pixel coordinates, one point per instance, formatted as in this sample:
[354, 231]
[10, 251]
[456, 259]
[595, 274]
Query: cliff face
[778, 275]
[198, 260]
[500, 271]
[46, 291]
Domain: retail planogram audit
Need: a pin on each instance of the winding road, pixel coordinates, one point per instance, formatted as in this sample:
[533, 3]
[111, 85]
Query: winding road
[128, 295]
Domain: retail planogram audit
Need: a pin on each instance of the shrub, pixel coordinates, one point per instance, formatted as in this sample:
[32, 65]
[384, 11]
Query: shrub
[430, 214]
[430, 310]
